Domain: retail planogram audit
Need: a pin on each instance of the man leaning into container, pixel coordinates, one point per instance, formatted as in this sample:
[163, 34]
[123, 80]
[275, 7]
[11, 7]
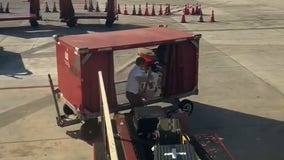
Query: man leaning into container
[136, 77]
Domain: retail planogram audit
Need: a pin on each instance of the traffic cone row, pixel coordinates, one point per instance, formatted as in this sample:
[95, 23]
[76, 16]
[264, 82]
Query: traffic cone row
[146, 12]
[54, 9]
[192, 10]
[6, 10]
[91, 6]
[212, 17]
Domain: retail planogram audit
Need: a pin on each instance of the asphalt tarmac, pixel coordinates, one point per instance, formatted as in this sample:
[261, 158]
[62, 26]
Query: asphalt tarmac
[241, 78]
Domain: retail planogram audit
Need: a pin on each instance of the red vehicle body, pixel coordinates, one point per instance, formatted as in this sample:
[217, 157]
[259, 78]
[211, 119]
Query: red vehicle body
[80, 57]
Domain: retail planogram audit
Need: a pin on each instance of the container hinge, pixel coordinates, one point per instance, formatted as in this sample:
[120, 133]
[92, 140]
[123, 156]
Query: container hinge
[56, 36]
[81, 50]
[195, 40]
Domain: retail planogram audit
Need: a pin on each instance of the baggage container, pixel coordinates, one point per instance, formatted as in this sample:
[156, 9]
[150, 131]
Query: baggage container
[80, 57]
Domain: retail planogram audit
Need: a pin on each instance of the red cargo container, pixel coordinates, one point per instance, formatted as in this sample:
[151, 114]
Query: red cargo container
[80, 57]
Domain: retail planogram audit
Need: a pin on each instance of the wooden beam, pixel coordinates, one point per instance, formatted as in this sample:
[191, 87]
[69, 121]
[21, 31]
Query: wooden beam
[106, 117]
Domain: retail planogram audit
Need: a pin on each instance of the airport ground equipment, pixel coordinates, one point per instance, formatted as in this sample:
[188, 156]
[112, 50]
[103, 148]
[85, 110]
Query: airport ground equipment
[70, 15]
[32, 16]
[90, 94]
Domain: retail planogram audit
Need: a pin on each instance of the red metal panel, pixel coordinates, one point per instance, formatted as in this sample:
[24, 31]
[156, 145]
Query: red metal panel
[69, 80]
[90, 85]
[126, 38]
[122, 129]
[182, 62]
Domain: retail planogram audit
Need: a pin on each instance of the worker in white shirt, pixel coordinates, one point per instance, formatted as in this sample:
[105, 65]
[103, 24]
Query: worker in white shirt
[137, 75]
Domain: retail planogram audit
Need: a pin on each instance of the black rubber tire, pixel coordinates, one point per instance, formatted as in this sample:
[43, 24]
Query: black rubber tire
[33, 23]
[109, 23]
[187, 106]
[72, 22]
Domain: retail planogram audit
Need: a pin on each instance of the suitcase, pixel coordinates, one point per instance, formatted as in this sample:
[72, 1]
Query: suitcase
[169, 131]
[146, 119]
[175, 152]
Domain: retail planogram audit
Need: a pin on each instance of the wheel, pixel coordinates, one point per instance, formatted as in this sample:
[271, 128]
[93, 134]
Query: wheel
[67, 110]
[90, 129]
[60, 123]
[186, 105]
[109, 23]
[71, 22]
[33, 23]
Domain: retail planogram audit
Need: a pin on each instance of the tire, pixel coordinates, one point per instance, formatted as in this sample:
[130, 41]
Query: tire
[187, 106]
[33, 23]
[71, 22]
[109, 23]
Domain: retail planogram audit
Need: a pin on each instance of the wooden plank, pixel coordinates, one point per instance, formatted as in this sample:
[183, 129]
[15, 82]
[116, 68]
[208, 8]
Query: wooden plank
[106, 115]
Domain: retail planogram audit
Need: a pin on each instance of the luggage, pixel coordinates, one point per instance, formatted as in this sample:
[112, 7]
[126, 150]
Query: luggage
[146, 119]
[169, 131]
[174, 152]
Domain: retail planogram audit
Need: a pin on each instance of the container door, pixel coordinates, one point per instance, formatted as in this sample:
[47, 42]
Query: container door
[181, 61]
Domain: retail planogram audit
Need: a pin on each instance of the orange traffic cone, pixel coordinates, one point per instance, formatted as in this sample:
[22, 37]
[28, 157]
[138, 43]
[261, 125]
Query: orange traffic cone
[125, 10]
[1, 8]
[118, 9]
[186, 10]
[183, 19]
[168, 10]
[201, 16]
[161, 10]
[140, 10]
[153, 11]
[146, 13]
[193, 11]
[134, 10]
[198, 12]
[85, 5]
[7, 8]
[91, 7]
[54, 10]
[212, 19]
[46, 7]
[106, 7]
[196, 9]
[97, 7]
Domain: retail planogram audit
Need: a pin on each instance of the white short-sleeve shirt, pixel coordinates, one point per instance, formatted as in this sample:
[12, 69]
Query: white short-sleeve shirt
[132, 84]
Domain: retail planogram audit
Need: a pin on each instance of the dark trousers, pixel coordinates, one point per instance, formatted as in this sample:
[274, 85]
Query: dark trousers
[135, 100]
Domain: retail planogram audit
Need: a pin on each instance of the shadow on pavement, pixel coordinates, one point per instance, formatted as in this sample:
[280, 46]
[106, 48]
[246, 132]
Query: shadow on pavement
[245, 136]
[11, 64]
[50, 30]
